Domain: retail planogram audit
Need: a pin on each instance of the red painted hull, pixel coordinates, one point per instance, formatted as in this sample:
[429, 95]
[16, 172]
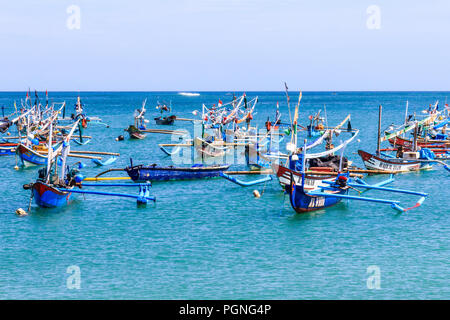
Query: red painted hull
[408, 144]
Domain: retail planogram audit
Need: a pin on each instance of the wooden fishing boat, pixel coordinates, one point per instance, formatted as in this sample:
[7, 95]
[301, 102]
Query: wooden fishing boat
[30, 156]
[312, 181]
[408, 144]
[302, 202]
[48, 196]
[337, 190]
[330, 192]
[143, 173]
[168, 120]
[405, 161]
[136, 130]
[316, 125]
[55, 189]
[374, 162]
[135, 133]
[165, 120]
[7, 148]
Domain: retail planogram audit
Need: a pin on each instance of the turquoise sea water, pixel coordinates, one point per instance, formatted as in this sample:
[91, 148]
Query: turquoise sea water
[212, 239]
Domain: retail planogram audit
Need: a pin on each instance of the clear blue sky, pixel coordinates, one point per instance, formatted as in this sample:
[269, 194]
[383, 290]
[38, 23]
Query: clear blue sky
[225, 45]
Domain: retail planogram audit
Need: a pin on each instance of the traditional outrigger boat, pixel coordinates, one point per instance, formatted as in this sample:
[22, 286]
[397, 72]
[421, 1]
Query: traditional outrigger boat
[424, 137]
[338, 189]
[405, 161]
[142, 173]
[34, 151]
[316, 125]
[7, 148]
[29, 156]
[152, 173]
[168, 120]
[135, 131]
[215, 140]
[53, 189]
[332, 191]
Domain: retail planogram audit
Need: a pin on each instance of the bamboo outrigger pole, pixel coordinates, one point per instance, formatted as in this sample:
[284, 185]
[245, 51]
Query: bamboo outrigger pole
[95, 152]
[379, 130]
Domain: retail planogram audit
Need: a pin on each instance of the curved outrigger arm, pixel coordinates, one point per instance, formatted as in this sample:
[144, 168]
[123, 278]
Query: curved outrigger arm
[245, 183]
[361, 184]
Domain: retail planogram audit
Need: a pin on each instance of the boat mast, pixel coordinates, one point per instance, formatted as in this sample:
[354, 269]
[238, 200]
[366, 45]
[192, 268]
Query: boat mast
[50, 151]
[415, 139]
[296, 119]
[379, 129]
[406, 114]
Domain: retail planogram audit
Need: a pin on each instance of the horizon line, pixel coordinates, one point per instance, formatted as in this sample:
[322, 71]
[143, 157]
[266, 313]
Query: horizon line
[212, 91]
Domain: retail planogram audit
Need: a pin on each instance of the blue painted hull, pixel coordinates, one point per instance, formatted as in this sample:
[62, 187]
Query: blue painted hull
[50, 197]
[302, 202]
[28, 157]
[7, 150]
[154, 173]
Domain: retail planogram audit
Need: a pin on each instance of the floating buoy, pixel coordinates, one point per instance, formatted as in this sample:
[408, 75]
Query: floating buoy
[8, 133]
[256, 194]
[20, 212]
[16, 167]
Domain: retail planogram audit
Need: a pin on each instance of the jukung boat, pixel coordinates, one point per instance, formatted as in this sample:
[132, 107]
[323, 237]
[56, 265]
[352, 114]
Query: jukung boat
[320, 166]
[141, 173]
[408, 144]
[53, 189]
[316, 125]
[168, 120]
[313, 178]
[29, 156]
[332, 192]
[7, 148]
[434, 120]
[135, 131]
[405, 161]
[374, 162]
[220, 131]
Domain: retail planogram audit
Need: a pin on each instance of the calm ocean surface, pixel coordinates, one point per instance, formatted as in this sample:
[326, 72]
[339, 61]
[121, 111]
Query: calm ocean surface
[212, 239]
